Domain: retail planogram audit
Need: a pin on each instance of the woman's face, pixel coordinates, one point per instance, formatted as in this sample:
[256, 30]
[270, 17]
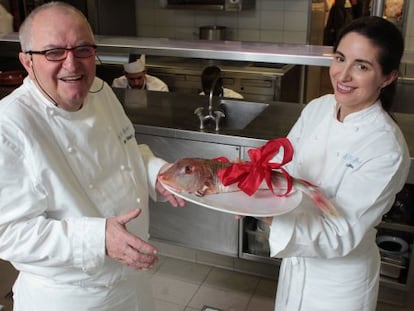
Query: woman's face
[356, 74]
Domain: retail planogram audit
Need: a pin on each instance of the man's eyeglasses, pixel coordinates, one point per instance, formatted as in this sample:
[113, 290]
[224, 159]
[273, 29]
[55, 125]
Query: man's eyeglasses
[58, 54]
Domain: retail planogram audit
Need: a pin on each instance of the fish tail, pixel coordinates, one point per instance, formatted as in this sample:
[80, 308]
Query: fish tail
[320, 200]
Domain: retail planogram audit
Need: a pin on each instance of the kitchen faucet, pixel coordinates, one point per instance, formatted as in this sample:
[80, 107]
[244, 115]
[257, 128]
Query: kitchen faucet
[212, 115]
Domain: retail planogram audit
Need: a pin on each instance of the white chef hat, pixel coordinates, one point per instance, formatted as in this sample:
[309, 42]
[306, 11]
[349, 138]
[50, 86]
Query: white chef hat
[137, 66]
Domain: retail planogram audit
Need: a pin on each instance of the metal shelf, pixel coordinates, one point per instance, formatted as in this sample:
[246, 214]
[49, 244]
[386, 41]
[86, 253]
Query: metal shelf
[396, 226]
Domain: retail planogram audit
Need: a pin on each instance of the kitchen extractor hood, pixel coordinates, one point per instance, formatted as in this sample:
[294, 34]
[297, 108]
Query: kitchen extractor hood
[217, 5]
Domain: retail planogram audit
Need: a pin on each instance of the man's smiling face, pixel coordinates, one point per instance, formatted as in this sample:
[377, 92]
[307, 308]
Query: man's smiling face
[67, 81]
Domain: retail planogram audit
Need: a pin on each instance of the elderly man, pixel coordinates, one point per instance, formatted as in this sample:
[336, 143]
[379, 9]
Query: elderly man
[74, 183]
[136, 77]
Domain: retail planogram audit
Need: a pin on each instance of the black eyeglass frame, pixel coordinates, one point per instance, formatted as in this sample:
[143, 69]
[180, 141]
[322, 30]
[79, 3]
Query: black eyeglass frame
[45, 52]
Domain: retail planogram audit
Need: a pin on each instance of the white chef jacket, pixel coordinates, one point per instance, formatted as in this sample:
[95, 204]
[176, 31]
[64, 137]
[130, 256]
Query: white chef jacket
[332, 262]
[151, 84]
[61, 174]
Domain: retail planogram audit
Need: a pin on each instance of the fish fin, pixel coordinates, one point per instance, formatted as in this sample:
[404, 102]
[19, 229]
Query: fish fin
[202, 192]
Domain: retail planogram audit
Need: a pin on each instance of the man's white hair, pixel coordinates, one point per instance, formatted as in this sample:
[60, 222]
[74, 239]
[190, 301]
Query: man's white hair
[26, 29]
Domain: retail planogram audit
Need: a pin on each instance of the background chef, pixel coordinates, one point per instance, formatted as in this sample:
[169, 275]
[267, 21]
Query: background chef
[136, 77]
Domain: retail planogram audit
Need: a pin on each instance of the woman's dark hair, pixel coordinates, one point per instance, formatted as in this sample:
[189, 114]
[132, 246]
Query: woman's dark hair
[390, 41]
[208, 76]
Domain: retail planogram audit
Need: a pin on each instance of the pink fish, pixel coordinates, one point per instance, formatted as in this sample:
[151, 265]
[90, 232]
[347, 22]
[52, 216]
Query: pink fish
[201, 177]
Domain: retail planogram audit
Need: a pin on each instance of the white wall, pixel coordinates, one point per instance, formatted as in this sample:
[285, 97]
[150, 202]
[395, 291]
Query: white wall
[409, 33]
[279, 21]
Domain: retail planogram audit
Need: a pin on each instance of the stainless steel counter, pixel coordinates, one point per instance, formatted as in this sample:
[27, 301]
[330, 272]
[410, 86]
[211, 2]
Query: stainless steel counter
[118, 48]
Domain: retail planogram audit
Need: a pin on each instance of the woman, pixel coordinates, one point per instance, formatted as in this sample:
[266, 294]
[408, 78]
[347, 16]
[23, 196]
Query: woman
[348, 144]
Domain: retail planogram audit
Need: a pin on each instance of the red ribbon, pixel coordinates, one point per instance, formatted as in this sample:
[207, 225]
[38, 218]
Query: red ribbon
[250, 175]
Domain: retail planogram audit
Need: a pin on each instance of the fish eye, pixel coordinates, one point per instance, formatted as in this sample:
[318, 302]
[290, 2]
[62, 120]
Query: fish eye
[187, 169]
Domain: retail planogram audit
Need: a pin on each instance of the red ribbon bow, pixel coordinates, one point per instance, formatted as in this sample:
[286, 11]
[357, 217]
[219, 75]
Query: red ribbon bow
[250, 175]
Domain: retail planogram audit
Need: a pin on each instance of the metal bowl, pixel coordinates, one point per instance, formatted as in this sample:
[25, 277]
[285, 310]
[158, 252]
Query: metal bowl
[392, 245]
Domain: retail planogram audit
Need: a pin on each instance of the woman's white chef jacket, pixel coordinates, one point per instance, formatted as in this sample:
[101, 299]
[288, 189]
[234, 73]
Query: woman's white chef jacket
[151, 83]
[61, 174]
[332, 262]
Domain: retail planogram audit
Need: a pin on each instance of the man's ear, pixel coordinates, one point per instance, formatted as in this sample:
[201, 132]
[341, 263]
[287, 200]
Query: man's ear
[26, 61]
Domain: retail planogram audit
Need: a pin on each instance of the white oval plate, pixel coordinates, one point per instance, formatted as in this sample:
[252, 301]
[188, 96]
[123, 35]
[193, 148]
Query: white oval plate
[261, 204]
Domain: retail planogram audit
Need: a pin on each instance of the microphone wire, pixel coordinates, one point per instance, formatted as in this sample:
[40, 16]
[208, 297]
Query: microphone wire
[103, 82]
[40, 85]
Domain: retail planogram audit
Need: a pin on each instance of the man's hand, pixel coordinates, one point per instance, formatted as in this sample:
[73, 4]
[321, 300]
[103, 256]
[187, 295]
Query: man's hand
[125, 247]
[174, 200]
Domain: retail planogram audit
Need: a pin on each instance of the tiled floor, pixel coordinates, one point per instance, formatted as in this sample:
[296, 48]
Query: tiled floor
[180, 285]
[186, 286]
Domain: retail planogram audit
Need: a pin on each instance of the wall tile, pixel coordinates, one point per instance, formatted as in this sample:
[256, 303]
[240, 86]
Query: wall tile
[185, 33]
[149, 31]
[272, 20]
[228, 21]
[248, 35]
[145, 16]
[297, 5]
[204, 20]
[168, 17]
[273, 36]
[164, 32]
[251, 21]
[144, 4]
[410, 28]
[295, 21]
[184, 20]
[294, 37]
[273, 5]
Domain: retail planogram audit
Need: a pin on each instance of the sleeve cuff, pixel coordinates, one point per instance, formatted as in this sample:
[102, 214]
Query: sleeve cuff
[89, 244]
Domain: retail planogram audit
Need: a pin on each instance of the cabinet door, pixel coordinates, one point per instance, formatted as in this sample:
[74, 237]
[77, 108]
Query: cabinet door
[192, 226]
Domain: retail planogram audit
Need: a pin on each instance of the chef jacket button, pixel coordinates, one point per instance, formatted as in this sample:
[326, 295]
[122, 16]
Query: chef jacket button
[138, 200]
[51, 112]
[122, 167]
[91, 186]
[70, 149]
